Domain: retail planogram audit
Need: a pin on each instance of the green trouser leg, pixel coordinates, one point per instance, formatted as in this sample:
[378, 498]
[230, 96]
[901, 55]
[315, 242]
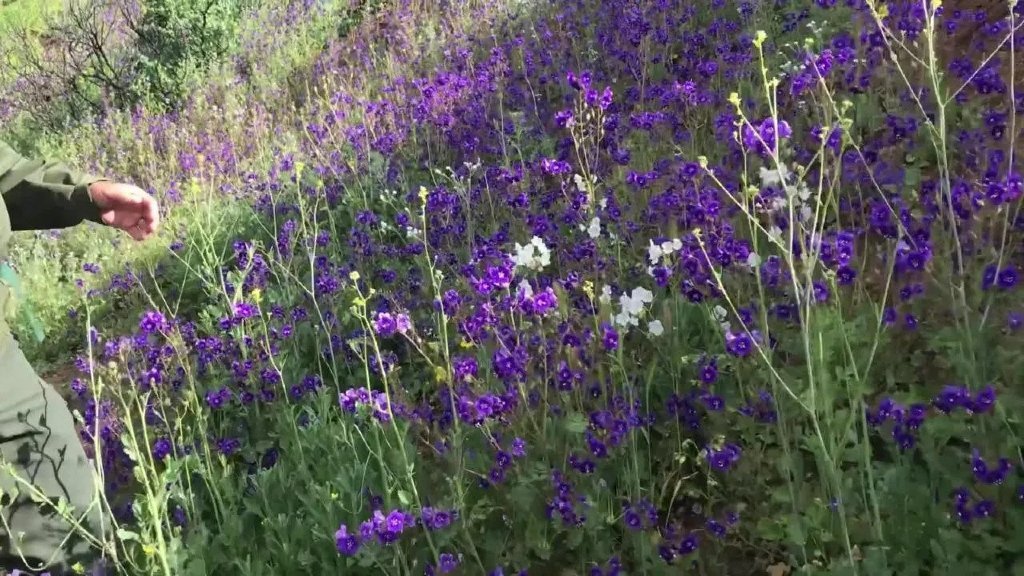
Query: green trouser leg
[38, 437]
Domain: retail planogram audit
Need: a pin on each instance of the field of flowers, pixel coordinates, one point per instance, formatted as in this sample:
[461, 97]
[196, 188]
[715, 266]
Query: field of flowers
[595, 287]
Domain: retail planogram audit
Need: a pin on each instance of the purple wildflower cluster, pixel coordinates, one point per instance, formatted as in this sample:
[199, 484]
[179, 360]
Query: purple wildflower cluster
[378, 403]
[907, 420]
[387, 529]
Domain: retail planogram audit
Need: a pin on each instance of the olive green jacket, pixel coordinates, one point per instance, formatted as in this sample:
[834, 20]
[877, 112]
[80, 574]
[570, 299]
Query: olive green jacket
[38, 194]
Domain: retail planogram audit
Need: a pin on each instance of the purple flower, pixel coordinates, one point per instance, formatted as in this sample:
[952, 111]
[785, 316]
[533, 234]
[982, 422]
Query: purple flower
[951, 398]
[448, 563]
[435, 519]
[988, 474]
[765, 138]
[518, 448]
[984, 509]
[739, 344]
[708, 370]
[347, 544]
[724, 458]
[610, 338]
[243, 310]
[402, 323]
[385, 325]
[152, 322]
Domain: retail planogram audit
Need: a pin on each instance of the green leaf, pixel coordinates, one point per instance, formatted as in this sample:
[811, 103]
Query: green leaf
[405, 498]
[522, 495]
[537, 539]
[795, 533]
[576, 423]
[126, 535]
[912, 176]
[769, 529]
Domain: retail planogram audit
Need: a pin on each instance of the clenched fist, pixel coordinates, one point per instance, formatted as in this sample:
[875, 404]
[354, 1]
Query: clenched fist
[127, 208]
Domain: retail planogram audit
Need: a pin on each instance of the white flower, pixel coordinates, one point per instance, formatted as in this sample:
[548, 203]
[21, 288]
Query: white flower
[594, 230]
[580, 184]
[805, 213]
[654, 252]
[534, 255]
[524, 255]
[525, 290]
[655, 327]
[772, 177]
[643, 294]
[803, 192]
[632, 305]
[625, 319]
[720, 314]
[628, 305]
[753, 260]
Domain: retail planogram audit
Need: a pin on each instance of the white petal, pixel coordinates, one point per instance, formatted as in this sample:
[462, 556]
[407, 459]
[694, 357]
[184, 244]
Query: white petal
[525, 289]
[653, 253]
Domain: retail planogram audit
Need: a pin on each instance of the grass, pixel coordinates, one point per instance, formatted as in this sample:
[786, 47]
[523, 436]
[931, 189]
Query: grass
[25, 15]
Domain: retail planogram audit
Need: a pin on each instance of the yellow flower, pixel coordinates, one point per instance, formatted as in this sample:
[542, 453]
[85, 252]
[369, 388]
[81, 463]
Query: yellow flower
[440, 374]
[257, 295]
[353, 276]
[759, 38]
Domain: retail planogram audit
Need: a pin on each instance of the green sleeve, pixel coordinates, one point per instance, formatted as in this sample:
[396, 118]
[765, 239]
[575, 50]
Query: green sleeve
[42, 194]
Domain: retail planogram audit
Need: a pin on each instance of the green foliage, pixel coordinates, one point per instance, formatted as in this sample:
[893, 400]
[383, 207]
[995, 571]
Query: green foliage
[178, 39]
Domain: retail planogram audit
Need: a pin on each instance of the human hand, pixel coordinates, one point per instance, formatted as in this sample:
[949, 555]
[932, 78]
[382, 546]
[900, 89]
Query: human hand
[127, 208]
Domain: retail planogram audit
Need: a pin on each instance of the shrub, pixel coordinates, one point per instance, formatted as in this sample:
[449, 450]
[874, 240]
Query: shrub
[177, 40]
[99, 56]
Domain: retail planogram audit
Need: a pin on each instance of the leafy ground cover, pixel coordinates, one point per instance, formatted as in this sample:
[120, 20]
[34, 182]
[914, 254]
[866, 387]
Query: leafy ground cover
[586, 287]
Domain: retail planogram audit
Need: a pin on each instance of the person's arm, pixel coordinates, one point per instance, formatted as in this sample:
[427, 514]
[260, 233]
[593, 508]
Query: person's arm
[42, 194]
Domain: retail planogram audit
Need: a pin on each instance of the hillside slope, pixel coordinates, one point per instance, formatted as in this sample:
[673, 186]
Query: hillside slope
[596, 286]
